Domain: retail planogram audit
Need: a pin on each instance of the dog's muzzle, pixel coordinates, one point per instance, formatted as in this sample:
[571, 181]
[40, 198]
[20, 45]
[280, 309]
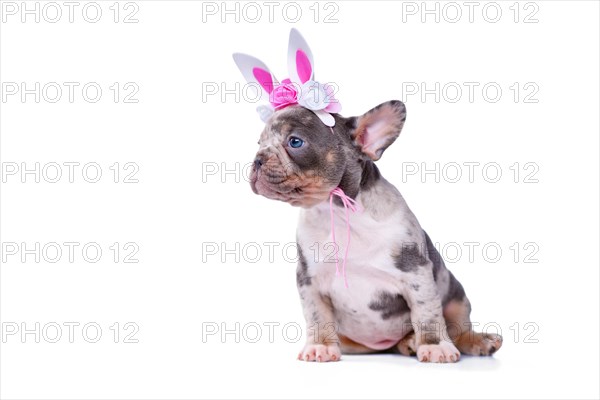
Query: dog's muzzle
[275, 181]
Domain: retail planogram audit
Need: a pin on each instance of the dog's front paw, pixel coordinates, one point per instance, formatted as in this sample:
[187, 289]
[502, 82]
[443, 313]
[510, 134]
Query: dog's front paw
[438, 353]
[320, 352]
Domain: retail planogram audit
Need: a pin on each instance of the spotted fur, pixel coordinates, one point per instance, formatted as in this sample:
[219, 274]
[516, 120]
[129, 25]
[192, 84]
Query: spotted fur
[400, 295]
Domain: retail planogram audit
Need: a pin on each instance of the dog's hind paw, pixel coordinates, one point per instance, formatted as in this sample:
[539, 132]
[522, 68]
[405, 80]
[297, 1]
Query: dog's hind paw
[479, 344]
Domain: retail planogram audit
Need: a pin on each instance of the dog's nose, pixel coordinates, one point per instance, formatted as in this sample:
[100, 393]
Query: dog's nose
[258, 163]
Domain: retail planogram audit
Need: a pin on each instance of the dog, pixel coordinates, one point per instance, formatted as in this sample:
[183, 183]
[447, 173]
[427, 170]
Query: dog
[396, 293]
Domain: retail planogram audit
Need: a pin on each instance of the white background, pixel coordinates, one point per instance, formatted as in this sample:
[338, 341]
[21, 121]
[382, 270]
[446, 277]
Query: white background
[175, 211]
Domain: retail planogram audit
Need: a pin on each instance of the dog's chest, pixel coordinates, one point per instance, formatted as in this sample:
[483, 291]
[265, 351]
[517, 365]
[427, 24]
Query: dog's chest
[370, 269]
[369, 242]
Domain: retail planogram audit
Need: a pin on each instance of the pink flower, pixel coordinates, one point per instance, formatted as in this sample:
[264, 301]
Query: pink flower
[286, 94]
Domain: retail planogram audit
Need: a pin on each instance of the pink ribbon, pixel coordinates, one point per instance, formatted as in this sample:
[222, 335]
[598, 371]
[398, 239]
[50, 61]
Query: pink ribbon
[349, 205]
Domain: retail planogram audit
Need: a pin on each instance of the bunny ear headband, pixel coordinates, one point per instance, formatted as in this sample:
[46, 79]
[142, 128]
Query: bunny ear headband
[300, 88]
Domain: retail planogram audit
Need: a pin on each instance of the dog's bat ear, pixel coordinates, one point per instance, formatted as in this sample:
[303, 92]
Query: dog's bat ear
[256, 72]
[378, 128]
[300, 60]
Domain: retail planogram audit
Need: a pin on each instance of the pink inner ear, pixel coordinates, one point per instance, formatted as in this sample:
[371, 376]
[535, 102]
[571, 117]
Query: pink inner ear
[264, 78]
[303, 66]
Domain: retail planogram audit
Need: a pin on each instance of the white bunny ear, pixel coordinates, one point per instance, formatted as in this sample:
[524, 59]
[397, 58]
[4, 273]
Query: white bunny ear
[300, 59]
[255, 71]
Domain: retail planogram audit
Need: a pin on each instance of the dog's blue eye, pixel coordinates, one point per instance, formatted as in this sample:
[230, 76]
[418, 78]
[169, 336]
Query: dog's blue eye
[295, 142]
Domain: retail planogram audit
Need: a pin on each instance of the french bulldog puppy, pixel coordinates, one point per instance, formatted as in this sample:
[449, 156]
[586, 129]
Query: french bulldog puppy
[400, 295]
